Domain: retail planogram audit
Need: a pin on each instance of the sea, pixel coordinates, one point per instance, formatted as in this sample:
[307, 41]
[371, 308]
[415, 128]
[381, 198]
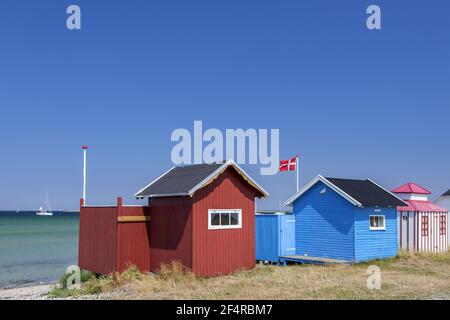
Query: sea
[36, 249]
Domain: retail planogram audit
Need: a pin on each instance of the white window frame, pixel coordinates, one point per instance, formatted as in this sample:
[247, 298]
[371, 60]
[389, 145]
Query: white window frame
[377, 228]
[237, 226]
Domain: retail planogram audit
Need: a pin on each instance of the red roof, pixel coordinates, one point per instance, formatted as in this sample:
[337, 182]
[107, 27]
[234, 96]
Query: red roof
[411, 188]
[423, 206]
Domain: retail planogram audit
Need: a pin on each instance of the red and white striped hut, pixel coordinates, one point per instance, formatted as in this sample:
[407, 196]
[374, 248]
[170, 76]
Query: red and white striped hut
[422, 225]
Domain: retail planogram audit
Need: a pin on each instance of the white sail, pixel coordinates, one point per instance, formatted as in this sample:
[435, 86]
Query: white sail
[46, 210]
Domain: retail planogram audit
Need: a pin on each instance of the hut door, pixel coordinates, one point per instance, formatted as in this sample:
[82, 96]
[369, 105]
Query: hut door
[404, 230]
[287, 235]
[407, 233]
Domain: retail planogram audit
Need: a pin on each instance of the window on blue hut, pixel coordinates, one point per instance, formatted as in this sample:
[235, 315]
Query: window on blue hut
[224, 218]
[377, 223]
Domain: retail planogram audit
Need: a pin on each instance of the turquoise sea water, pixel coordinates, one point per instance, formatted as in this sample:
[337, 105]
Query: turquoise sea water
[36, 249]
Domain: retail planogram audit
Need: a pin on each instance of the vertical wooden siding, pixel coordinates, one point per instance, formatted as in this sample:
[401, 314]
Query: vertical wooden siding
[107, 246]
[434, 242]
[133, 245]
[413, 238]
[267, 237]
[218, 252]
[171, 231]
[97, 239]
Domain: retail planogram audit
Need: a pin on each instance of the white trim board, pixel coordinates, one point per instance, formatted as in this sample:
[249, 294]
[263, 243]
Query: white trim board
[229, 226]
[378, 228]
[136, 194]
[441, 197]
[313, 182]
[391, 193]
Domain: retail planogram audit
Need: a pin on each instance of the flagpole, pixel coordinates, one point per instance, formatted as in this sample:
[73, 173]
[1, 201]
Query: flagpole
[296, 168]
[84, 173]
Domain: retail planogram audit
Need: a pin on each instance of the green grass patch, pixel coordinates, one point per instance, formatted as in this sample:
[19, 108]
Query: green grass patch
[382, 263]
[84, 277]
[90, 284]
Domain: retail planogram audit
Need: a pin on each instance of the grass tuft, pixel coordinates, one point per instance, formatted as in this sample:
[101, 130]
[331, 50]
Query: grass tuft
[175, 271]
[85, 276]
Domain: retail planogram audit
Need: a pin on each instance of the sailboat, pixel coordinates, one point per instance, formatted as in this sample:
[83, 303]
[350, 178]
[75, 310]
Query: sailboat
[45, 210]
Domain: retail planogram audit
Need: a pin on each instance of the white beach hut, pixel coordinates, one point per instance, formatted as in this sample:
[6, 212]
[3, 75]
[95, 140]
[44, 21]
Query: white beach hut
[422, 225]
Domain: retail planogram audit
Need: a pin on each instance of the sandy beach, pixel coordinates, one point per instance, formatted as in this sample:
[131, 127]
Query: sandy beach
[35, 292]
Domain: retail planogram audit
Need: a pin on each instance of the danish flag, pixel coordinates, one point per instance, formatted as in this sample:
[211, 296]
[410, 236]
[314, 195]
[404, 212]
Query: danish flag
[288, 165]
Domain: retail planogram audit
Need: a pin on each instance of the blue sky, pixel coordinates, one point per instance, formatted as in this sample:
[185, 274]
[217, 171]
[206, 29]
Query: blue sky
[355, 103]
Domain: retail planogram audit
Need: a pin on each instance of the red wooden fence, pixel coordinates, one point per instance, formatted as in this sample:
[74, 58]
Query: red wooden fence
[111, 237]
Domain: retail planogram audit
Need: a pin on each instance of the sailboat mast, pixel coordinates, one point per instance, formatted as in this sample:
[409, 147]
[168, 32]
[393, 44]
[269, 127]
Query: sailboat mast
[47, 206]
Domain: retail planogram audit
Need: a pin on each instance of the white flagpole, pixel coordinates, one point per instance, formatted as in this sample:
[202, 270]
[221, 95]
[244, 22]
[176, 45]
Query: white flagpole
[84, 172]
[296, 168]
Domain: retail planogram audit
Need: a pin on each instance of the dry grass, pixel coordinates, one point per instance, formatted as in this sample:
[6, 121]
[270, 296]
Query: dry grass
[406, 277]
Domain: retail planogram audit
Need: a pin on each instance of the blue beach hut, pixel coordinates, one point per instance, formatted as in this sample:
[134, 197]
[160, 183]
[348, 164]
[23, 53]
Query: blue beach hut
[275, 235]
[344, 220]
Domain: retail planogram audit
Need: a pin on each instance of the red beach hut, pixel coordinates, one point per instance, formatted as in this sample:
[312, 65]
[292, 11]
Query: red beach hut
[200, 215]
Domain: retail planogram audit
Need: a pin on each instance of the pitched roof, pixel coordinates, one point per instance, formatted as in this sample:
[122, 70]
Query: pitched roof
[185, 180]
[446, 194]
[411, 187]
[421, 206]
[368, 193]
[361, 193]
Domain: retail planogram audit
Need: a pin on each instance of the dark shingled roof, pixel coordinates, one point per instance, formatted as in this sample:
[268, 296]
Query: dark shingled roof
[367, 193]
[446, 193]
[179, 180]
